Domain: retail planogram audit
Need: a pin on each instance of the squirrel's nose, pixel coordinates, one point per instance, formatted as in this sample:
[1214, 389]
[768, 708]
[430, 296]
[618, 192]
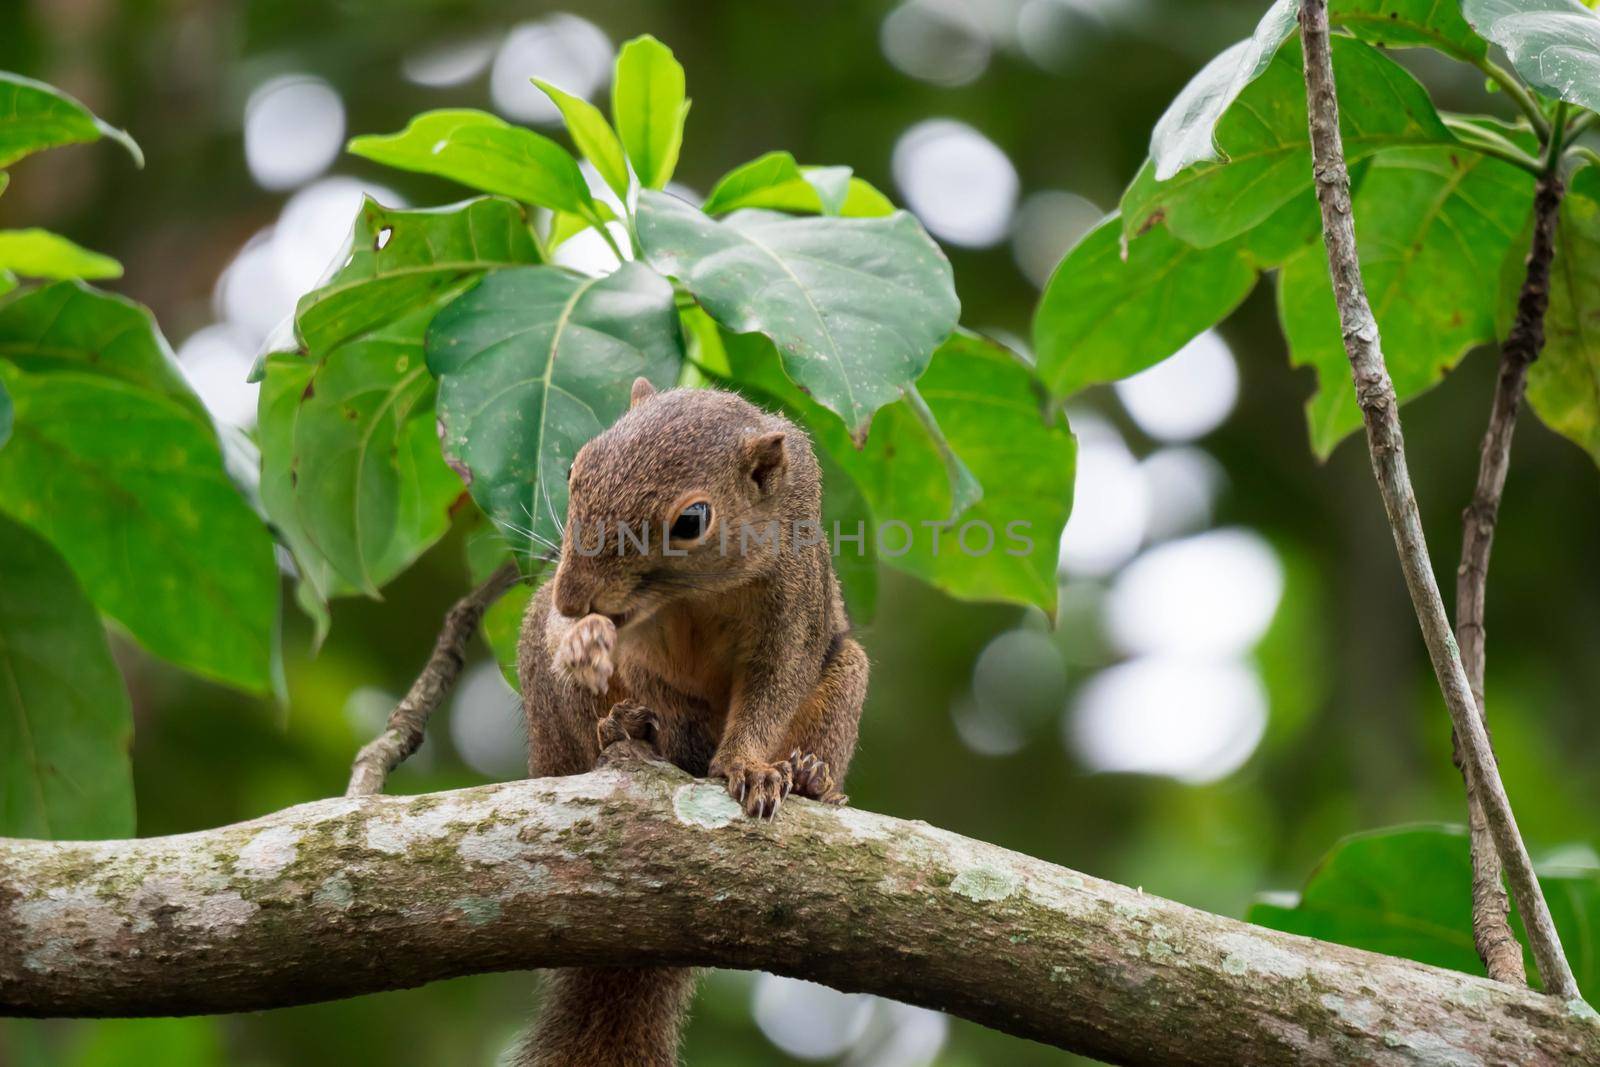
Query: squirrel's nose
[573, 599]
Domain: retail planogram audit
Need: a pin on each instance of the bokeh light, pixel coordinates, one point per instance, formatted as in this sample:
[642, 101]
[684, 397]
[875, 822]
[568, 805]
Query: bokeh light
[957, 181]
[1194, 720]
[936, 41]
[451, 63]
[1182, 484]
[486, 724]
[293, 130]
[809, 1021]
[1110, 505]
[1187, 395]
[1047, 225]
[1213, 594]
[563, 49]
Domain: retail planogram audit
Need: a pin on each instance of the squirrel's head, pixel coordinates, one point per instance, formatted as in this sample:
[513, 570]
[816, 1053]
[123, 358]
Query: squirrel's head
[678, 499]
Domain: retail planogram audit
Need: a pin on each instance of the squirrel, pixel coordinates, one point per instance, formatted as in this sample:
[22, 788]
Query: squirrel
[676, 618]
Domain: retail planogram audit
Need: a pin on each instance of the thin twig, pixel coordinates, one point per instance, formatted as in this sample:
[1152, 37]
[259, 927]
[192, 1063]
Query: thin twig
[1491, 927]
[403, 734]
[1380, 411]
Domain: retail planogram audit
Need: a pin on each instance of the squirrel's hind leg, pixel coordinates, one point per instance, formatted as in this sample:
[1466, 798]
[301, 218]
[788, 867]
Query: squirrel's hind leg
[822, 737]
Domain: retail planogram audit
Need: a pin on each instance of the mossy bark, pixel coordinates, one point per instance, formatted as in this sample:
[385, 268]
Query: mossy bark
[636, 863]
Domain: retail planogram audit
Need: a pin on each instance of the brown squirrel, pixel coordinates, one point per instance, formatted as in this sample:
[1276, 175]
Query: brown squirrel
[676, 618]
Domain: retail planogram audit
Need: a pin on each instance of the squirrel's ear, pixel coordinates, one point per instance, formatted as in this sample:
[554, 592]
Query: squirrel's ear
[642, 391]
[766, 458]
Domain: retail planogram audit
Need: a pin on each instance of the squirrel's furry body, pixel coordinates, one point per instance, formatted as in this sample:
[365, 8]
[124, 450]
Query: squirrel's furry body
[730, 654]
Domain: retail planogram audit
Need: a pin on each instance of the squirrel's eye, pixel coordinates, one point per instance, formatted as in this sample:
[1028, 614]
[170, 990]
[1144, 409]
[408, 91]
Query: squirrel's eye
[691, 523]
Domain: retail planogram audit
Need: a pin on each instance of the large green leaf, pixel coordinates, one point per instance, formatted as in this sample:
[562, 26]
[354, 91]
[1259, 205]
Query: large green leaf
[366, 479]
[1554, 44]
[130, 487]
[72, 327]
[593, 136]
[532, 363]
[35, 116]
[1103, 317]
[856, 306]
[1408, 892]
[649, 108]
[42, 254]
[776, 182]
[992, 411]
[1564, 382]
[65, 723]
[1433, 225]
[1264, 138]
[482, 151]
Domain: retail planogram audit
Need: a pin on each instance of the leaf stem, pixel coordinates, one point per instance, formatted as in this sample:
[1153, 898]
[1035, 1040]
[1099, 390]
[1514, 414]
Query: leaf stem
[1515, 90]
[1581, 125]
[1486, 142]
[1552, 154]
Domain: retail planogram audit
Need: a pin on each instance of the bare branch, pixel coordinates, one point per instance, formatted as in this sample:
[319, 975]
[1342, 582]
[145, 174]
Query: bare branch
[403, 734]
[1491, 927]
[636, 863]
[1380, 411]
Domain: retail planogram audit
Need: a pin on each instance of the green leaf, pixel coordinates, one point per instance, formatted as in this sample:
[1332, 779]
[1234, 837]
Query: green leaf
[368, 484]
[1564, 382]
[502, 625]
[1433, 225]
[847, 515]
[774, 181]
[992, 412]
[8, 282]
[649, 108]
[1433, 24]
[1553, 44]
[1264, 137]
[65, 722]
[483, 152]
[69, 326]
[534, 362]
[5, 415]
[41, 254]
[35, 116]
[1407, 892]
[130, 487]
[593, 136]
[1103, 317]
[285, 376]
[856, 306]
[1185, 133]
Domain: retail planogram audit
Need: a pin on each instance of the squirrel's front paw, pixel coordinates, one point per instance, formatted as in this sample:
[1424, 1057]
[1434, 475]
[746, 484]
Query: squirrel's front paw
[759, 786]
[585, 653]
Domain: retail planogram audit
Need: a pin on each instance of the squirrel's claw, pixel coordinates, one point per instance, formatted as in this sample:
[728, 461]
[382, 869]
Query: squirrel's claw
[758, 787]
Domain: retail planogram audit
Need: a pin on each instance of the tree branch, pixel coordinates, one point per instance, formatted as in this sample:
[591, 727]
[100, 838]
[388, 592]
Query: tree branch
[1380, 412]
[1491, 927]
[636, 863]
[403, 734]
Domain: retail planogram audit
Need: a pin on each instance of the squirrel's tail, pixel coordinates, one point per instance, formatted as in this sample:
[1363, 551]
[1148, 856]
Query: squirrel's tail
[609, 1017]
